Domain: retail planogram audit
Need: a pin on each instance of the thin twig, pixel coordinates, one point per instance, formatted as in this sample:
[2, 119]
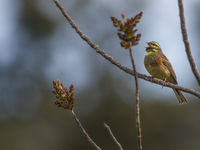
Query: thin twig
[138, 124]
[116, 63]
[186, 42]
[113, 137]
[84, 131]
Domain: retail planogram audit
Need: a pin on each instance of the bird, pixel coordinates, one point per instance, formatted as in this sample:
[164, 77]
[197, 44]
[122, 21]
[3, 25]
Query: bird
[157, 64]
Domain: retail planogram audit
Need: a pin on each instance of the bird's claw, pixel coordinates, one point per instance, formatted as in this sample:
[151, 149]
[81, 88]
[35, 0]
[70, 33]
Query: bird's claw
[164, 82]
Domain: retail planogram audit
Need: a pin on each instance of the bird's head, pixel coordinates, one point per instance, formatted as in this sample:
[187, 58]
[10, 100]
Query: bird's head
[152, 47]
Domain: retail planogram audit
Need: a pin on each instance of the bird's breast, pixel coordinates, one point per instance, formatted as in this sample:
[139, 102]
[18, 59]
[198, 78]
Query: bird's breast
[153, 64]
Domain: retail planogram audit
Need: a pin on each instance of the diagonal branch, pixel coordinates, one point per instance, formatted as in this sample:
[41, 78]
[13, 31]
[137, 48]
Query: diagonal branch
[84, 131]
[186, 41]
[138, 124]
[116, 63]
[113, 137]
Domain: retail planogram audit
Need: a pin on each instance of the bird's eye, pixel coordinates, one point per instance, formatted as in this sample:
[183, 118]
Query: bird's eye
[154, 44]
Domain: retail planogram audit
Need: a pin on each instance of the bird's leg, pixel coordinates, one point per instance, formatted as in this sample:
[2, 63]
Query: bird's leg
[164, 82]
[152, 78]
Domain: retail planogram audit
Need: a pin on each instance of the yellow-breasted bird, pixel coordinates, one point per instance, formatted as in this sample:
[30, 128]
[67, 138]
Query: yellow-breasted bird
[159, 66]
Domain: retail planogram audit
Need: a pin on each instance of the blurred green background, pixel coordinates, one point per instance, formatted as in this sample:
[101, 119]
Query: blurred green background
[37, 45]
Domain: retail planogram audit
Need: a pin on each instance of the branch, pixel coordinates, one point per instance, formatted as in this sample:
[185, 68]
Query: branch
[113, 137]
[116, 63]
[84, 131]
[186, 42]
[138, 125]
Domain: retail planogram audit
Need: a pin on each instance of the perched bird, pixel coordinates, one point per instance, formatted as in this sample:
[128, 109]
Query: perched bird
[159, 66]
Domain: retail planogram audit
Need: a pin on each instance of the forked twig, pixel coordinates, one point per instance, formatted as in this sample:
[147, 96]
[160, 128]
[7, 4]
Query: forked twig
[84, 131]
[116, 63]
[186, 42]
[113, 137]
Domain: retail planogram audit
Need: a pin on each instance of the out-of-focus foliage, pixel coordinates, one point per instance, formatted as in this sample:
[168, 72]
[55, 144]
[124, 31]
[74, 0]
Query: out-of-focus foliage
[34, 22]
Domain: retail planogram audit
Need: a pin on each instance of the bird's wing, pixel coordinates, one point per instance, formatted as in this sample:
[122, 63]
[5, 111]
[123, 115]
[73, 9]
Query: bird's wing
[167, 64]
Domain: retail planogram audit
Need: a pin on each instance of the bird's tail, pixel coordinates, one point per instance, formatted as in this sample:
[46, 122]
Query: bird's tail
[181, 98]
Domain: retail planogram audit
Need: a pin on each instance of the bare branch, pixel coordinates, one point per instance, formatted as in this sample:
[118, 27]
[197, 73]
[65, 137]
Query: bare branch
[186, 42]
[116, 63]
[84, 131]
[138, 124]
[113, 137]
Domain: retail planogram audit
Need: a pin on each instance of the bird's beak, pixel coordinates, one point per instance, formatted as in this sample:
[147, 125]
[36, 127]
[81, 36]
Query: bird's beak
[147, 44]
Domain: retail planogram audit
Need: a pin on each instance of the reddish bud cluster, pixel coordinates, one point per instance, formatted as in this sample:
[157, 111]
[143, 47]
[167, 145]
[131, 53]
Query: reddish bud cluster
[64, 97]
[127, 33]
